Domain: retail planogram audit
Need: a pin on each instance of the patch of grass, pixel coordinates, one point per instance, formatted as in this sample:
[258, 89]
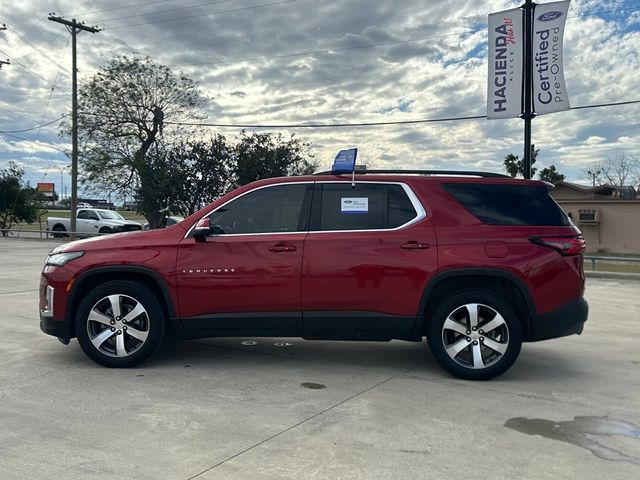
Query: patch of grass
[135, 216]
[612, 267]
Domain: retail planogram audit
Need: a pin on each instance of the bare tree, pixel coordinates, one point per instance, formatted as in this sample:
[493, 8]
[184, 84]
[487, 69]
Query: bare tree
[617, 170]
[125, 110]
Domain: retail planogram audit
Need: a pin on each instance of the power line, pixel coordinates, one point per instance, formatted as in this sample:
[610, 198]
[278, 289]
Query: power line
[137, 5]
[20, 114]
[329, 125]
[33, 128]
[36, 75]
[41, 144]
[36, 48]
[159, 12]
[222, 12]
[358, 124]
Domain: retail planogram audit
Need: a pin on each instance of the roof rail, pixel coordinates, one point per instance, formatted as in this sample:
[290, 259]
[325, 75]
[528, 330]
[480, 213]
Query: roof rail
[421, 172]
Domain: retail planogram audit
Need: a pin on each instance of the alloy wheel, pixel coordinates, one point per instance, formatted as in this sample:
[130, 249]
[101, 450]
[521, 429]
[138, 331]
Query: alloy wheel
[475, 336]
[118, 325]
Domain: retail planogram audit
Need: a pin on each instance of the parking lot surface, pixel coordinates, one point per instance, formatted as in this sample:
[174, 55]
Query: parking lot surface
[245, 408]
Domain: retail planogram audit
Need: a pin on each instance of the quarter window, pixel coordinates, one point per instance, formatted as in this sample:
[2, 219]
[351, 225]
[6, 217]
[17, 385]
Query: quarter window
[364, 207]
[284, 208]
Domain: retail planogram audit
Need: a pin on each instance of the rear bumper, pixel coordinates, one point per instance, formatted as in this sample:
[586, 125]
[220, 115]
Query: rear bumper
[569, 319]
[57, 328]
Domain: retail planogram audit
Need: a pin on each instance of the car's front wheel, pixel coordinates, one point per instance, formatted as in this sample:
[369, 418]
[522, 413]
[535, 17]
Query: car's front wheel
[120, 324]
[475, 335]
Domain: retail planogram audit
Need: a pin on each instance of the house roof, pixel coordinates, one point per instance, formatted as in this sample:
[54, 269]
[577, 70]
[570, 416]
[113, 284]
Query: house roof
[600, 189]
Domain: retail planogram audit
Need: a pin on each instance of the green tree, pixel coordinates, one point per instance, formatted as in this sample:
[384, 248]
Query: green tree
[201, 171]
[551, 175]
[514, 166]
[124, 111]
[18, 202]
[266, 155]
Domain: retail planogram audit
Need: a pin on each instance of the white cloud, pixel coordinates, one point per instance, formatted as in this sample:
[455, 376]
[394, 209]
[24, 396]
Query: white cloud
[439, 76]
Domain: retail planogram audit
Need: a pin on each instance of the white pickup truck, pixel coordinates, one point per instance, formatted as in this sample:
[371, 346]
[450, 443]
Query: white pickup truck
[91, 221]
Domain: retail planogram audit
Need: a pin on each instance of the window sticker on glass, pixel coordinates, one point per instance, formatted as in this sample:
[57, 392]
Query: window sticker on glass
[354, 205]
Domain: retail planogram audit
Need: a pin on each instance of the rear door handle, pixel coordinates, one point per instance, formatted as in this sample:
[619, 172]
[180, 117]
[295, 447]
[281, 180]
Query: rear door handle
[281, 247]
[413, 245]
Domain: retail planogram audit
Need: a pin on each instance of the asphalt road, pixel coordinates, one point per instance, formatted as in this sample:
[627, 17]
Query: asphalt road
[569, 408]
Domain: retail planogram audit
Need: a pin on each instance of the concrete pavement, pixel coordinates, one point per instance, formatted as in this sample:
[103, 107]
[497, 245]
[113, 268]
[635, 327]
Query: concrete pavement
[210, 409]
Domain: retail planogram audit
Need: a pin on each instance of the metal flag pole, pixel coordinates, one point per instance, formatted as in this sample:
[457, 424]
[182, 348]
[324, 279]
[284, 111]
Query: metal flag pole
[528, 114]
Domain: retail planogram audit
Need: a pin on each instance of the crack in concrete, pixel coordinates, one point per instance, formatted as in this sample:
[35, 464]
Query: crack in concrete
[21, 291]
[302, 422]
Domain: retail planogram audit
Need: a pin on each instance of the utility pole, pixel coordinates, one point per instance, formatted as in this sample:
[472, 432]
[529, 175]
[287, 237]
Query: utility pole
[528, 9]
[74, 28]
[61, 170]
[594, 176]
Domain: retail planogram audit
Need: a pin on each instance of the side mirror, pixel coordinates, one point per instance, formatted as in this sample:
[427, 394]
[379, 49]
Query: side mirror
[202, 229]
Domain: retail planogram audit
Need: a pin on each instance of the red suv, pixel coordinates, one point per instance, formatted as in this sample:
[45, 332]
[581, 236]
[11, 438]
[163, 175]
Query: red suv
[475, 262]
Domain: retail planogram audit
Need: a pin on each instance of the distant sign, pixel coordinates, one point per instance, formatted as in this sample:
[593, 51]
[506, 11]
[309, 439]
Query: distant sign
[345, 161]
[549, 88]
[504, 89]
[46, 187]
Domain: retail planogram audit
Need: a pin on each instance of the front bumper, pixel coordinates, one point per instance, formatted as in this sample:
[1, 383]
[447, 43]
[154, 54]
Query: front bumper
[569, 319]
[57, 328]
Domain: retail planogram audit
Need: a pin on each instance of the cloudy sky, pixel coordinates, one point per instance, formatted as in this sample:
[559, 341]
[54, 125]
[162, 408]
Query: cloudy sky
[329, 61]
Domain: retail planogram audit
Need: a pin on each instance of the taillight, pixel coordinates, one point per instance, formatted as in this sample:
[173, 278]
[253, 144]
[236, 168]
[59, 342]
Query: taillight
[574, 245]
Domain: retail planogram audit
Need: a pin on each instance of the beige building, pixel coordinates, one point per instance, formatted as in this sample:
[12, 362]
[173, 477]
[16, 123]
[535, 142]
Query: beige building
[609, 217]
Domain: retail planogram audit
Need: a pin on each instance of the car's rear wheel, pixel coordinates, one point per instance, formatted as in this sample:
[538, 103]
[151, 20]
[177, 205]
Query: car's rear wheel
[120, 324]
[58, 231]
[475, 335]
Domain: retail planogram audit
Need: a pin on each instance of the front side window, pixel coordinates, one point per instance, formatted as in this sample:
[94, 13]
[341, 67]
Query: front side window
[280, 209]
[364, 207]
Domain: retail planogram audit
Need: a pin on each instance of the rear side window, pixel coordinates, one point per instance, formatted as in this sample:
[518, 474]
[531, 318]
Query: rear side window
[509, 204]
[364, 207]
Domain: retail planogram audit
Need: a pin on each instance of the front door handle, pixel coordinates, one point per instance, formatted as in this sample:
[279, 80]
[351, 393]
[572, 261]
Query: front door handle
[281, 247]
[414, 245]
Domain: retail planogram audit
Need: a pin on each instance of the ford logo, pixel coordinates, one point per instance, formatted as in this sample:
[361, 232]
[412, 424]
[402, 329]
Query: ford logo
[548, 16]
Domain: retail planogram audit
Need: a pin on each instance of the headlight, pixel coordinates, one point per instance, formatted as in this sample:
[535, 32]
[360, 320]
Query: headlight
[60, 259]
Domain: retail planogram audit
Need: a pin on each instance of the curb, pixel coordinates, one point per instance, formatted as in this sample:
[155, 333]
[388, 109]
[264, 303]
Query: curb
[612, 275]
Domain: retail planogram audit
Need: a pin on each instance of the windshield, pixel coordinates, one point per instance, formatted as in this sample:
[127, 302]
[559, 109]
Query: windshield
[109, 215]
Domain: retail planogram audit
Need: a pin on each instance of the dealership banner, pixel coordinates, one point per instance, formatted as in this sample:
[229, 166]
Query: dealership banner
[504, 92]
[549, 88]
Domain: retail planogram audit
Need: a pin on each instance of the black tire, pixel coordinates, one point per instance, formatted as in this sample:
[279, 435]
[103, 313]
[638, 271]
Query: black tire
[58, 231]
[151, 322]
[473, 343]
[105, 230]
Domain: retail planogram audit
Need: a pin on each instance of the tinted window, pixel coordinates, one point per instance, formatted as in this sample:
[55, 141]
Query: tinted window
[268, 210]
[509, 204]
[87, 215]
[365, 207]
